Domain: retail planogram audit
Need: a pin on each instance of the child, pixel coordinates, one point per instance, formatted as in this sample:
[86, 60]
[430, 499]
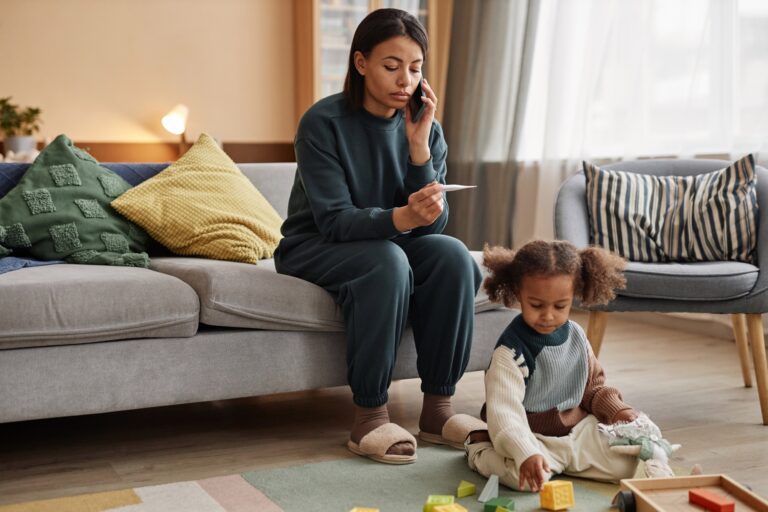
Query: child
[545, 389]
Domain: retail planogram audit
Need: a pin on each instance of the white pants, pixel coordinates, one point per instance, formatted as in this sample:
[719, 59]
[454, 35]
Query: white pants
[583, 453]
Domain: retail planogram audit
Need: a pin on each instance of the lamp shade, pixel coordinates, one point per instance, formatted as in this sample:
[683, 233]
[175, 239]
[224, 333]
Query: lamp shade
[175, 121]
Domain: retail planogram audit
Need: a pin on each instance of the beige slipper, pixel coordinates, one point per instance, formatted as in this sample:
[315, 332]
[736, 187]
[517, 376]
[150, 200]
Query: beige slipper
[375, 444]
[455, 431]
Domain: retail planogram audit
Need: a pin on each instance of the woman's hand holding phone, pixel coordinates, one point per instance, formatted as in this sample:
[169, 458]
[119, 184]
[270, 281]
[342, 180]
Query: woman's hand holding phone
[423, 208]
[418, 130]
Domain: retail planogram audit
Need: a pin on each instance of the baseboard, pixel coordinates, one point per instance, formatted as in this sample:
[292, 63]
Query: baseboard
[705, 327]
[716, 326]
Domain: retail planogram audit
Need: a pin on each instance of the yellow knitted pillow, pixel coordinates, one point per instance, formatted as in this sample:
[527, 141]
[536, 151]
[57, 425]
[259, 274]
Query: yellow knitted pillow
[202, 205]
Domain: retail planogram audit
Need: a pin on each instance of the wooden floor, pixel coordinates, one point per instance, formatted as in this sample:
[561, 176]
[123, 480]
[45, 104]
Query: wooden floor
[689, 384]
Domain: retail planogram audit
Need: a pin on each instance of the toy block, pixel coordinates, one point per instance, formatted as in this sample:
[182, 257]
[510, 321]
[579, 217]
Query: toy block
[453, 507]
[465, 489]
[499, 504]
[491, 489]
[711, 500]
[364, 509]
[435, 500]
[557, 495]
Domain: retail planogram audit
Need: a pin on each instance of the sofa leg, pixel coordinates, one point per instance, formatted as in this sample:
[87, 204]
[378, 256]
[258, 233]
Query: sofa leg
[739, 323]
[595, 329]
[755, 324]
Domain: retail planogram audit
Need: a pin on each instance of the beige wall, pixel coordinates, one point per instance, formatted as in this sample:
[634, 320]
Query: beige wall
[107, 70]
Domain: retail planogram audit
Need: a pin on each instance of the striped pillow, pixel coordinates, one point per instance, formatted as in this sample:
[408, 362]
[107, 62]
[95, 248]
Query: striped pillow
[648, 218]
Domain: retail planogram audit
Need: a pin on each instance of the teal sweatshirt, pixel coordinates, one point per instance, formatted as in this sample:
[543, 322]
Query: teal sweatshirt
[353, 170]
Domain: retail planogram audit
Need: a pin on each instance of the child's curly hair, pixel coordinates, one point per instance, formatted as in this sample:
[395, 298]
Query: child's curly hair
[597, 273]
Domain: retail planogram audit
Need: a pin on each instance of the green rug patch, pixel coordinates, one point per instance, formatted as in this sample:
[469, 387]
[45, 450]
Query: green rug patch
[356, 482]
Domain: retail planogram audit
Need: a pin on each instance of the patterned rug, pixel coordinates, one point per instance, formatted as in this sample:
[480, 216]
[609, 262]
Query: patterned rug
[335, 486]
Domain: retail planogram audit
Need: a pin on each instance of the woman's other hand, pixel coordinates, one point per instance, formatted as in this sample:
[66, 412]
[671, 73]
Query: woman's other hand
[418, 133]
[533, 473]
[423, 208]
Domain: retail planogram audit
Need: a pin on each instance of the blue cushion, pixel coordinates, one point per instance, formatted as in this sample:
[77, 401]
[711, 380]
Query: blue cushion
[702, 281]
[11, 173]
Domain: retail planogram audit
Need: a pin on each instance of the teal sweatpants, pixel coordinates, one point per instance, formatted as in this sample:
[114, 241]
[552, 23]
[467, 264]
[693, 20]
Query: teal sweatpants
[380, 284]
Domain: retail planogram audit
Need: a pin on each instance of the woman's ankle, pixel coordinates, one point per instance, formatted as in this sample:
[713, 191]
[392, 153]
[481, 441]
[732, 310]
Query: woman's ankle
[435, 411]
[367, 419]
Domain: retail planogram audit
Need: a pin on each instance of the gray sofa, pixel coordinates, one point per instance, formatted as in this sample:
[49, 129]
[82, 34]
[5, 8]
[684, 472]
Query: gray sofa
[83, 339]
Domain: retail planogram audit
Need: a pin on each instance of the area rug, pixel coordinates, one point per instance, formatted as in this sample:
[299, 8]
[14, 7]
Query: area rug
[334, 486]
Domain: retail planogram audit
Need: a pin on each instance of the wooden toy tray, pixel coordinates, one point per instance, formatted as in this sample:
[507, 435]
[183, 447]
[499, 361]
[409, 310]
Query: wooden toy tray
[671, 494]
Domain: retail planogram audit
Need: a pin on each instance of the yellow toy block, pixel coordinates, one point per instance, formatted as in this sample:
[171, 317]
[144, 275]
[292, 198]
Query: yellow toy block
[465, 489]
[435, 500]
[453, 507]
[364, 509]
[557, 495]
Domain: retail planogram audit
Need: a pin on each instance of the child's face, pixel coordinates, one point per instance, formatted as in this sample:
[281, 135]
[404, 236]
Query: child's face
[546, 301]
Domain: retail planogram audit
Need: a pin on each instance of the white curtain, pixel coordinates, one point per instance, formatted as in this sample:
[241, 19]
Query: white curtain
[620, 79]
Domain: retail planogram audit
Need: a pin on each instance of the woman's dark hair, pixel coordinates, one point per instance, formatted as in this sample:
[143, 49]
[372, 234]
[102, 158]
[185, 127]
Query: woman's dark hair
[377, 27]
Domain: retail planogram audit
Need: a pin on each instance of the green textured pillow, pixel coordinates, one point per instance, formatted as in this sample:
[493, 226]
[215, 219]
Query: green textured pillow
[60, 210]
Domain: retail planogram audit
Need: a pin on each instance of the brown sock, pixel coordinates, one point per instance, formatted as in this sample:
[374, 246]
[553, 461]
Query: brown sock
[367, 419]
[435, 411]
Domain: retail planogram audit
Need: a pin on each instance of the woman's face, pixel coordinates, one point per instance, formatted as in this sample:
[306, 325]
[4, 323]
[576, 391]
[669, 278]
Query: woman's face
[391, 73]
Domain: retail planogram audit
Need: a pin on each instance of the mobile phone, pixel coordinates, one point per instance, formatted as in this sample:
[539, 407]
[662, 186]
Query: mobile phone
[416, 104]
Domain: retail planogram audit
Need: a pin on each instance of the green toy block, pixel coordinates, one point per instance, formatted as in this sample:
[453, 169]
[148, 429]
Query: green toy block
[465, 489]
[434, 500]
[502, 502]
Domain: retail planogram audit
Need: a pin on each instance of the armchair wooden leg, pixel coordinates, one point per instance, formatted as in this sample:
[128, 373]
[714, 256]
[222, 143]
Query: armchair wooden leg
[595, 329]
[755, 324]
[740, 332]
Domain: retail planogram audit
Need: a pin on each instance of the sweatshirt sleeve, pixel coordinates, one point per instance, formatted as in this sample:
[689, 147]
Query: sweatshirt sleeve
[507, 422]
[337, 218]
[601, 400]
[434, 169]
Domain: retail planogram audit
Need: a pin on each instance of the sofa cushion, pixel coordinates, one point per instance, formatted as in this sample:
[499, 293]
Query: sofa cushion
[203, 205]
[60, 210]
[70, 304]
[241, 295]
[701, 281]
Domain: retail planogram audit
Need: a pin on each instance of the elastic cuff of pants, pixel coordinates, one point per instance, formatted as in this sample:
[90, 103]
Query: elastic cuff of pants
[371, 401]
[438, 390]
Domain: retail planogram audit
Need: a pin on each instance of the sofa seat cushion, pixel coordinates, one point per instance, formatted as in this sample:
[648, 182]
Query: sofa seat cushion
[703, 281]
[70, 304]
[255, 296]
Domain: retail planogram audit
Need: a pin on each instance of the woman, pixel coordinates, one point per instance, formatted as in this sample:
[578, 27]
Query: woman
[364, 222]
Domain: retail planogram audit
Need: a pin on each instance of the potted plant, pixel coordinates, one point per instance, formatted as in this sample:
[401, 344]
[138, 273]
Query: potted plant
[19, 126]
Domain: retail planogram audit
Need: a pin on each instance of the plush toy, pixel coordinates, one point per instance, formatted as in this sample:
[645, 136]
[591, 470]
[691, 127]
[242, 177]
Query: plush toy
[643, 439]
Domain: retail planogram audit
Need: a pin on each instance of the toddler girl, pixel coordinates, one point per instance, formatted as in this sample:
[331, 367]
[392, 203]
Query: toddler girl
[545, 389]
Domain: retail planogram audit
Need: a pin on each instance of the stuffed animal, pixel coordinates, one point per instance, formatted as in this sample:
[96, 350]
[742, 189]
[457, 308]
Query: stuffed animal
[643, 439]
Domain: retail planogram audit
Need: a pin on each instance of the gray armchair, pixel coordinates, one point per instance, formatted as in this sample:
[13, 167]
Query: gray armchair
[728, 287]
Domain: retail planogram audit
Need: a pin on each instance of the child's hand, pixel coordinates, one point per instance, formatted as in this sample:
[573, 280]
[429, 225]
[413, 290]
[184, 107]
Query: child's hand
[626, 415]
[532, 473]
